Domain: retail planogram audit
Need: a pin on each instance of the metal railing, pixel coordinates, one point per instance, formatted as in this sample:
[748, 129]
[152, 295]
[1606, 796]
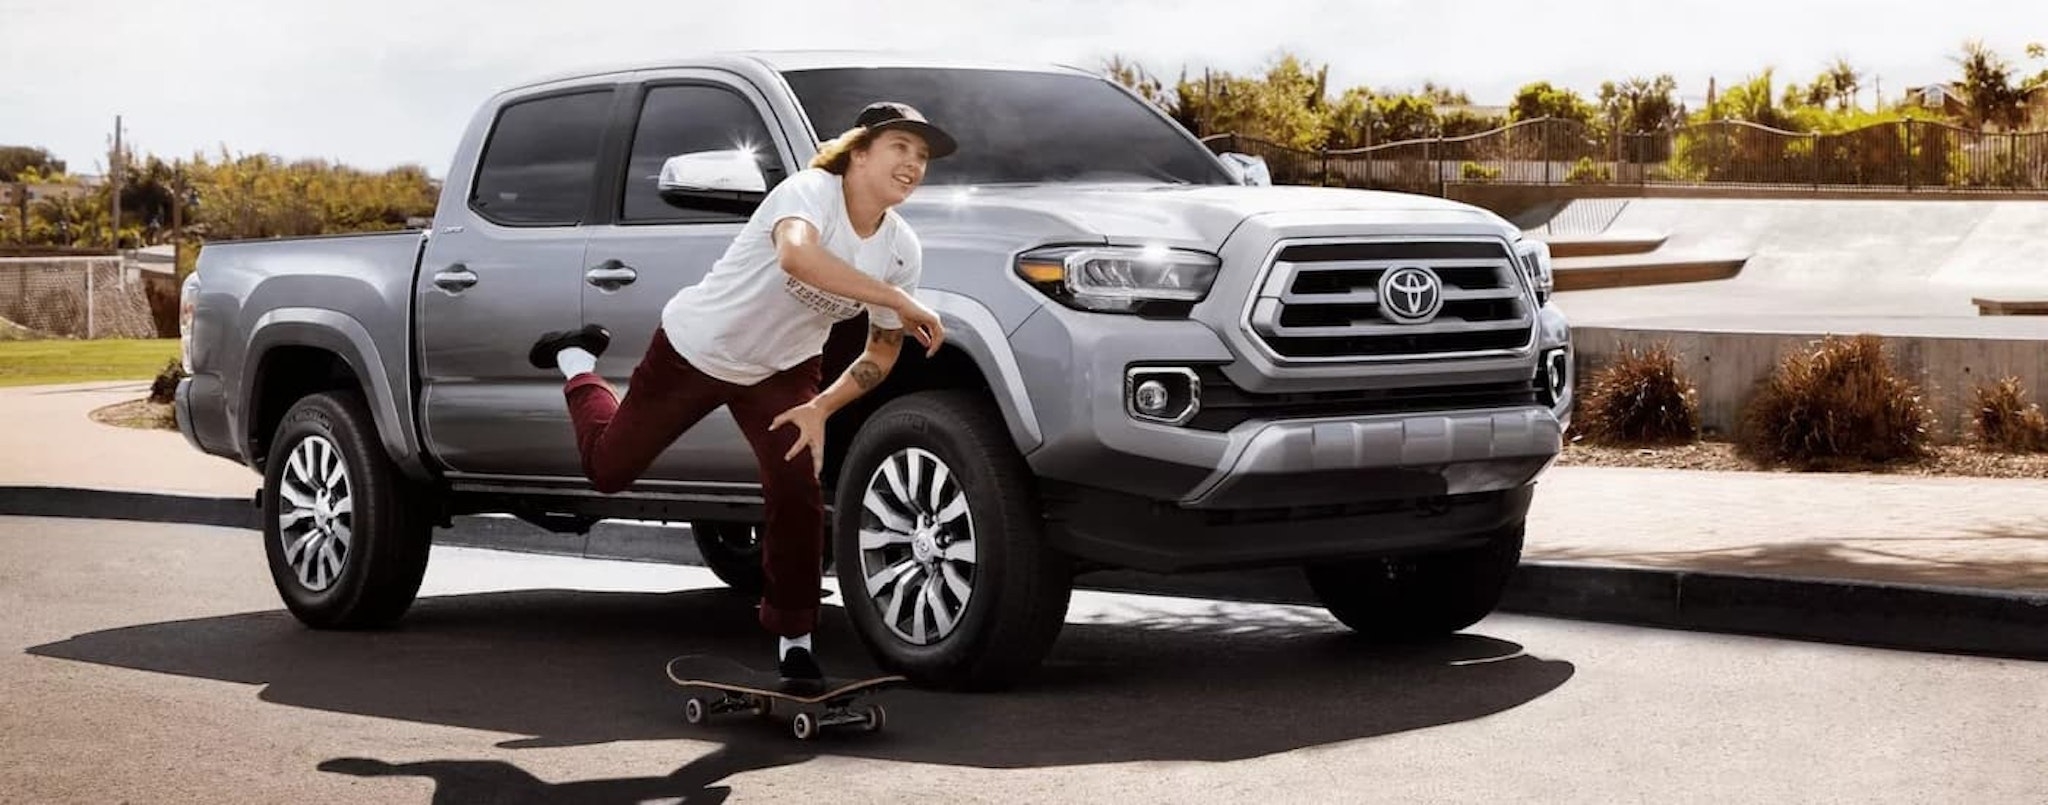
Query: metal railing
[1902, 156]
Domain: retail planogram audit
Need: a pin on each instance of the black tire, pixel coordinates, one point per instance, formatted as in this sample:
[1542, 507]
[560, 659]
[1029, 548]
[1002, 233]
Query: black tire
[391, 523]
[1421, 597]
[1019, 585]
[732, 551]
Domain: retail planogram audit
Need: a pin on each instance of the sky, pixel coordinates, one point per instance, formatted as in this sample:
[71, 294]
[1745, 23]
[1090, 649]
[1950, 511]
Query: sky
[376, 84]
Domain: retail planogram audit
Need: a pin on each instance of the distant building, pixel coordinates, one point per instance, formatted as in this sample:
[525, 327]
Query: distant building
[38, 192]
[1945, 99]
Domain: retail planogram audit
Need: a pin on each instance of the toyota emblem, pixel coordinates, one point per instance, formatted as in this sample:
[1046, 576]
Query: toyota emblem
[1411, 295]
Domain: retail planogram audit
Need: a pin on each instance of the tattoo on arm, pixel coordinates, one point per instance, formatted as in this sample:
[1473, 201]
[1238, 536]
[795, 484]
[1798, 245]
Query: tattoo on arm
[887, 338]
[867, 374]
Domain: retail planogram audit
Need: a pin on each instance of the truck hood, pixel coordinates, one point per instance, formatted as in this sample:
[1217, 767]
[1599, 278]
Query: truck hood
[1174, 215]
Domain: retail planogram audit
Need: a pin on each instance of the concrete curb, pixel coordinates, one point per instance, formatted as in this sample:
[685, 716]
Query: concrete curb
[1899, 616]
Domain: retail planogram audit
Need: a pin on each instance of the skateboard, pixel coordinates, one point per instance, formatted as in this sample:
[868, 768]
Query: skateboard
[731, 687]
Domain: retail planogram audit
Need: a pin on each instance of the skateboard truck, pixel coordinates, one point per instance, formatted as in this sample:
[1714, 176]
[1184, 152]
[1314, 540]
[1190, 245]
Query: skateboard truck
[831, 704]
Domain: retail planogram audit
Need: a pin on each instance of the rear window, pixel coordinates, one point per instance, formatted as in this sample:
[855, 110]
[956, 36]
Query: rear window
[1018, 126]
[540, 162]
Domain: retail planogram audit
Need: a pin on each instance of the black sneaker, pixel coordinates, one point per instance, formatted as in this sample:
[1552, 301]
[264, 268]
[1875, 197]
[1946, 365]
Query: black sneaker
[593, 338]
[800, 670]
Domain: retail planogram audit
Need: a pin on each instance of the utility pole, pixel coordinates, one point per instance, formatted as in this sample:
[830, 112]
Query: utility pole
[115, 162]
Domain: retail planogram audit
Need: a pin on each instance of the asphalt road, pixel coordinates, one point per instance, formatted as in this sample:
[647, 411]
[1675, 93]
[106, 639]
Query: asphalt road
[153, 663]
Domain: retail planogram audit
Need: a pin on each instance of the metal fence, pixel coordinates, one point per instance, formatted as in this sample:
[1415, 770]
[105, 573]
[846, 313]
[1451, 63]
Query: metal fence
[74, 297]
[1903, 156]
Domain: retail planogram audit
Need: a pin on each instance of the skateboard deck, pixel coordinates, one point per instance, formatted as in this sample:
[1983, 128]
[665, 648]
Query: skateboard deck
[730, 686]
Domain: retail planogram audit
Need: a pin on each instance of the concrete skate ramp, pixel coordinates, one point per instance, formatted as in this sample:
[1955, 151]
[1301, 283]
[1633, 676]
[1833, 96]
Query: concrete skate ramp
[1832, 265]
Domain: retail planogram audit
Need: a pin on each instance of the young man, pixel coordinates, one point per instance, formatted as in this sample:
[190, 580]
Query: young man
[824, 245]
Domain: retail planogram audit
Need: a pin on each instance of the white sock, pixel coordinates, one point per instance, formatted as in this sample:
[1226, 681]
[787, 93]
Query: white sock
[574, 361]
[795, 642]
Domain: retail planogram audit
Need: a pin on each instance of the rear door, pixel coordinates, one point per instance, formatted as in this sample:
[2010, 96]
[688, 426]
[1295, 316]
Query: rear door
[656, 246]
[503, 265]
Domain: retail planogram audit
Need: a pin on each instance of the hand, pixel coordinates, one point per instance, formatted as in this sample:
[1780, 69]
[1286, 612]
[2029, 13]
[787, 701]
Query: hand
[810, 432]
[923, 324]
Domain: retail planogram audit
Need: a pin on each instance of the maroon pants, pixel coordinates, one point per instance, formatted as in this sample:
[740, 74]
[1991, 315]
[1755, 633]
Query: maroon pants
[665, 397]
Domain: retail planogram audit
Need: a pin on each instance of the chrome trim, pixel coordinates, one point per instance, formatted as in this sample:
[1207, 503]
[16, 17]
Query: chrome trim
[1194, 393]
[1272, 288]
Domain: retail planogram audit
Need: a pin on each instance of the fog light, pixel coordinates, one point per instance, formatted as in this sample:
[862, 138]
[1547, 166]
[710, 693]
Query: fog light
[1557, 375]
[1165, 394]
[1152, 398]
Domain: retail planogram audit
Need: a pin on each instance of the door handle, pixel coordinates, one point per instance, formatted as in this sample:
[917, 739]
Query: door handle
[454, 278]
[611, 274]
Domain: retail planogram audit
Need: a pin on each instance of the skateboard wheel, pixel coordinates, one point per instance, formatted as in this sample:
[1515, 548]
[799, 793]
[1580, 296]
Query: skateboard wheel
[876, 718]
[804, 726]
[693, 710]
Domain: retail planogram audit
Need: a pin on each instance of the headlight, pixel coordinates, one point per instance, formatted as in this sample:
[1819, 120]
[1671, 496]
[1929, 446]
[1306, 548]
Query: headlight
[1534, 255]
[1117, 279]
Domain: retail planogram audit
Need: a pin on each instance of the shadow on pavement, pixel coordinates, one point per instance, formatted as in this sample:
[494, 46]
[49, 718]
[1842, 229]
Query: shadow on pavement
[574, 667]
[466, 781]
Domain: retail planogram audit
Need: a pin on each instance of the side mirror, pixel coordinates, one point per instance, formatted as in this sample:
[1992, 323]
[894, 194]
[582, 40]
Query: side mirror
[723, 180]
[1250, 170]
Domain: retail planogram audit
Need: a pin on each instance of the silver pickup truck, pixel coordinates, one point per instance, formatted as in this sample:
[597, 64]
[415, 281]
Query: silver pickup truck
[1156, 361]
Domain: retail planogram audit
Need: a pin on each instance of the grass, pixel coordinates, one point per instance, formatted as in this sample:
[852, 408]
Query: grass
[54, 361]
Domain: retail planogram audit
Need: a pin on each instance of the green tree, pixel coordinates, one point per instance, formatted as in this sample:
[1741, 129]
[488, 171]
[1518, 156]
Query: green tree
[1641, 104]
[17, 159]
[1995, 99]
[1541, 99]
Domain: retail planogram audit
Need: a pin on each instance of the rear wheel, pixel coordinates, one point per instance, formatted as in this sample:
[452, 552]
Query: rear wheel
[346, 535]
[732, 551]
[1410, 598]
[941, 561]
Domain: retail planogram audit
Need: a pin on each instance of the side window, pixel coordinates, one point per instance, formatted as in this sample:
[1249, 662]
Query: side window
[700, 154]
[541, 158]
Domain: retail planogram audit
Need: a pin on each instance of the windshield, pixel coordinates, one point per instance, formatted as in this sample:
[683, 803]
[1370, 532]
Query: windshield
[1018, 127]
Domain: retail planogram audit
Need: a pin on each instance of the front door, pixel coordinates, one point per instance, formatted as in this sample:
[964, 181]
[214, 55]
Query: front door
[503, 265]
[660, 245]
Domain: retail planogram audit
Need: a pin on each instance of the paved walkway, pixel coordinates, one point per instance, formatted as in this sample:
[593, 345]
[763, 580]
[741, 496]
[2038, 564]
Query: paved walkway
[1962, 532]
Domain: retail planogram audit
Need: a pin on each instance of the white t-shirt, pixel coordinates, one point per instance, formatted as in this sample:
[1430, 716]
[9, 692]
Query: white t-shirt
[749, 319]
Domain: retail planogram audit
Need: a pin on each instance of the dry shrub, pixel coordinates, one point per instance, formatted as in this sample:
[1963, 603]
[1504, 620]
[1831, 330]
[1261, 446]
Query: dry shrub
[2006, 421]
[1639, 399]
[1839, 406]
[164, 389]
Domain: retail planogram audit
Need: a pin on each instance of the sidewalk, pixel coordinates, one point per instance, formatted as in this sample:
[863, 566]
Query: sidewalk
[1951, 532]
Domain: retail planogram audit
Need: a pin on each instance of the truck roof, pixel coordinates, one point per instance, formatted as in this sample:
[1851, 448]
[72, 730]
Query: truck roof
[777, 61]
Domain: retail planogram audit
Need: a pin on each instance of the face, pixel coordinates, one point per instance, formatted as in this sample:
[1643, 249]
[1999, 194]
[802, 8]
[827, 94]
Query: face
[892, 167]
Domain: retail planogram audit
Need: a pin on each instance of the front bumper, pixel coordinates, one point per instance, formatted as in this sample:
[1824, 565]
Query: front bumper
[1387, 465]
[1371, 440]
[1391, 457]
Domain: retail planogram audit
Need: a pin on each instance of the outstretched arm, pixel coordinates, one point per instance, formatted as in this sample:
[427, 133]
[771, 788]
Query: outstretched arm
[867, 372]
[802, 255]
[874, 364]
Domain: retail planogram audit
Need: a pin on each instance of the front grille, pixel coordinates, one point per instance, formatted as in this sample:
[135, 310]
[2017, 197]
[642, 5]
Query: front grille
[1225, 405]
[1320, 302]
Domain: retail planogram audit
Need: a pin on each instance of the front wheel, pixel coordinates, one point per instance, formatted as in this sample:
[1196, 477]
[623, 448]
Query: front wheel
[1412, 598]
[941, 559]
[346, 535]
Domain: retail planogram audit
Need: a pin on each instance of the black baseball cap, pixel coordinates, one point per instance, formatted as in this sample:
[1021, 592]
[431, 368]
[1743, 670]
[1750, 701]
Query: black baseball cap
[893, 115]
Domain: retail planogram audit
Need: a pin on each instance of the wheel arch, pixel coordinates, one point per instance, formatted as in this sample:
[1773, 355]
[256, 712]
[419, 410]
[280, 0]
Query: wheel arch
[975, 357]
[296, 352]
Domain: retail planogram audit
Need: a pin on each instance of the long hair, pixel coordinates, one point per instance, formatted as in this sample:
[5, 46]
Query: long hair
[836, 154]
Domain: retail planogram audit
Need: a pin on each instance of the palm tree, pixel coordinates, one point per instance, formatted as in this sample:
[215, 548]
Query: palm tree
[1845, 81]
[1987, 82]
